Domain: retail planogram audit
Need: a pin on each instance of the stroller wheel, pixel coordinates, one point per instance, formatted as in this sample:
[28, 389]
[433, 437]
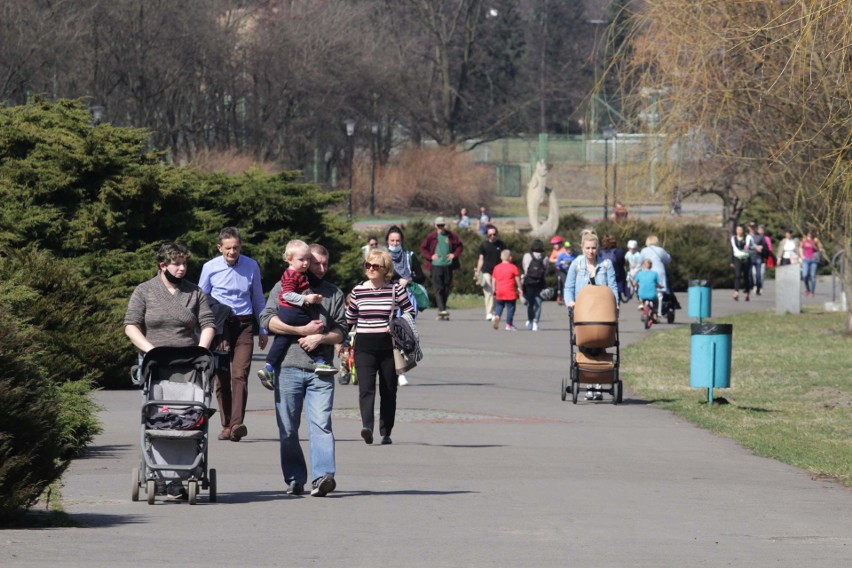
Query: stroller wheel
[564, 388]
[151, 488]
[616, 392]
[212, 480]
[575, 391]
[134, 491]
[192, 489]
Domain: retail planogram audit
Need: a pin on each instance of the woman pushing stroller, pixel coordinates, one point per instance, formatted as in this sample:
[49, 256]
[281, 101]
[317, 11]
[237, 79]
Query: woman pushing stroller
[587, 270]
[168, 311]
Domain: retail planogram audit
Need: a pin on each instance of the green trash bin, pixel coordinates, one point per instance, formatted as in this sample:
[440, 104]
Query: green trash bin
[710, 357]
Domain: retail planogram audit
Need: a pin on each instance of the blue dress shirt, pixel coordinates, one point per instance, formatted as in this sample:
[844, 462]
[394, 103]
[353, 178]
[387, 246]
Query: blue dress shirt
[237, 286]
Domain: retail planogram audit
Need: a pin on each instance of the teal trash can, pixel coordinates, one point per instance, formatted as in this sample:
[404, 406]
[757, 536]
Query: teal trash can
[710, 356]
[698, 300]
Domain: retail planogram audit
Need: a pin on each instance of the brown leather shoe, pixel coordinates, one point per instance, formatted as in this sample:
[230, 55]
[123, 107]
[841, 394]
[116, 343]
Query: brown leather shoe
[238, 432]
[225, 434]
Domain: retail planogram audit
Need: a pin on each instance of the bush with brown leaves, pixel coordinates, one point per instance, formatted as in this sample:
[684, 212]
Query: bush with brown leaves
[437, 180]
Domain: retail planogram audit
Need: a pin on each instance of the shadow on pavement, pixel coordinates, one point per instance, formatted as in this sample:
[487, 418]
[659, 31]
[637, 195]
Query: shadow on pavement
[418, 492]
[106, 451]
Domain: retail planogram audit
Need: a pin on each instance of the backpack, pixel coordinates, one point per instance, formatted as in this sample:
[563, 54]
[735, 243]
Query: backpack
[534, 277]
[607, 254]
[416, 270]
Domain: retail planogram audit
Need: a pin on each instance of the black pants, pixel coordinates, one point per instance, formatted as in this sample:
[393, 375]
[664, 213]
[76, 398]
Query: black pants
[742, 274]
[442, 281]
[374, 356]
[291, 315]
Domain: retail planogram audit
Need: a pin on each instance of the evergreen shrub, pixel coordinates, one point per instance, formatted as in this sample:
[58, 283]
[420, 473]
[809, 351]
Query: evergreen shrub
[32, 452]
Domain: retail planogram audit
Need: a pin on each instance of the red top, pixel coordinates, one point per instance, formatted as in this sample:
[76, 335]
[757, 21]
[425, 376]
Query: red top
[292, 281]
[505, 287]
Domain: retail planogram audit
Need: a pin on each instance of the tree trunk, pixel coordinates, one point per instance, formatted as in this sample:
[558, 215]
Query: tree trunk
[847, 283]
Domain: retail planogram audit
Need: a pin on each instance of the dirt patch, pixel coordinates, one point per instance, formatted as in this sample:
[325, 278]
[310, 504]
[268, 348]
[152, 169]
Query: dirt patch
[833, 398]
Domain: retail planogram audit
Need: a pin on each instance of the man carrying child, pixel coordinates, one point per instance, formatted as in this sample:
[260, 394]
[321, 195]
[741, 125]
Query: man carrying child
[294, 308]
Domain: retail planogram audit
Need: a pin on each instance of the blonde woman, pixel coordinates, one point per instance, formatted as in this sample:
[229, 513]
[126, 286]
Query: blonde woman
[371, 305]
[586, 269]
[659, 259]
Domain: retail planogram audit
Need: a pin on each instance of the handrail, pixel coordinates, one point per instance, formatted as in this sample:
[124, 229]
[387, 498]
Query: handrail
[835, 270]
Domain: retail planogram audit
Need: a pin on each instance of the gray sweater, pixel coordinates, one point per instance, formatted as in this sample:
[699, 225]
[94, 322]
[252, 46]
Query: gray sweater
[166, 318]
[332, 312]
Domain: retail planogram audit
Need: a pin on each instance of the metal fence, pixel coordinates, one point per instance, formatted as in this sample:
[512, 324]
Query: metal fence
[513, 157]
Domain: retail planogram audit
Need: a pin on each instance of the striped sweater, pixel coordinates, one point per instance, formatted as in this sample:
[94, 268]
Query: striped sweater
[370, 309]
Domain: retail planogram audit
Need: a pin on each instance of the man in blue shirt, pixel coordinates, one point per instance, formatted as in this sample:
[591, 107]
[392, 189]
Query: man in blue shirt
[233, 279]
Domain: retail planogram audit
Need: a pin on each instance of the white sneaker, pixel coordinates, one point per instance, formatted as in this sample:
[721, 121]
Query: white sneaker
[529, 324]
[401, 380]
[535, 326]
[489, 317]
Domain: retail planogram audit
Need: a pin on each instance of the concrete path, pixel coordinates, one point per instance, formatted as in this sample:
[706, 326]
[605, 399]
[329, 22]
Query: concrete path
[488, 468]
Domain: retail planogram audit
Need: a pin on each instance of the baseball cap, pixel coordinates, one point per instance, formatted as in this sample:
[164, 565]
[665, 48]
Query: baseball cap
[440, 221]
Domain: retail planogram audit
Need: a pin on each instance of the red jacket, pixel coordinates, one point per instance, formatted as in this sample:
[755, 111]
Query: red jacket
[430, 243]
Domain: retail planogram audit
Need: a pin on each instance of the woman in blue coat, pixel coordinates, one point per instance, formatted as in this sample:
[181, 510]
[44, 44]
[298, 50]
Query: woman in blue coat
[587, 268]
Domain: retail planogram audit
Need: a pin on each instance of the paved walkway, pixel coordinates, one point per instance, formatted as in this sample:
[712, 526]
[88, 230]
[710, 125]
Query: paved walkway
[488, 468]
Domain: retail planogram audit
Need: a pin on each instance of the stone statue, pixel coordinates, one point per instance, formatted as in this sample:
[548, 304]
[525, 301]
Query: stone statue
[537, 190]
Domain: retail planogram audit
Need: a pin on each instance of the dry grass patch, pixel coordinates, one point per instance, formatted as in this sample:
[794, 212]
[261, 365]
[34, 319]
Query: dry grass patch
[438, 180]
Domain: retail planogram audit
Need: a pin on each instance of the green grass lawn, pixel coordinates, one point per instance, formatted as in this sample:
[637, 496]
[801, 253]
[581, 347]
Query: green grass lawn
[465, 301]
[791, 388]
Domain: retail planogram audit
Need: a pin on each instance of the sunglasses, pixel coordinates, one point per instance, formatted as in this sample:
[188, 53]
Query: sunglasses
[376, 267]
[440, 226]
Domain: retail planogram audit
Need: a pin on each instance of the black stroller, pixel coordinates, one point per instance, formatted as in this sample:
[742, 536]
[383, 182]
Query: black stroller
[177, 387]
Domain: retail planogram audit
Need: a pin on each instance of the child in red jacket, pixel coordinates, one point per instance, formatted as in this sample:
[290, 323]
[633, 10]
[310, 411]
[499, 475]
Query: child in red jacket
[507, 288]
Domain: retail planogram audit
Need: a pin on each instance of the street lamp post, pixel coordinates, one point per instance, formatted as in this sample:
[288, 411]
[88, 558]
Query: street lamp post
[608, 134]
[652, 117]
[593, 119]
[374, 131]
[350, 134]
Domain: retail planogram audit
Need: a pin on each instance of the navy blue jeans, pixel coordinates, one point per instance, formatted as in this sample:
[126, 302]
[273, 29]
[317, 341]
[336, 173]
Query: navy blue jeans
[510, 310]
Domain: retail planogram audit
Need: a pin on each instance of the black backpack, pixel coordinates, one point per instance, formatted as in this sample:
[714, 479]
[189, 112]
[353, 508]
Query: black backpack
[534, 277]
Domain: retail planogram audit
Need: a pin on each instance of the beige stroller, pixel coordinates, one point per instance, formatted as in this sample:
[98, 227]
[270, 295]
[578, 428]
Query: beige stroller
[594, 344]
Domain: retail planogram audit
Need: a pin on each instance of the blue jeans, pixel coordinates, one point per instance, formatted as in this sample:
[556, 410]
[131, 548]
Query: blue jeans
[510, 310]
[296, 388]
[757, 273]
[809, 270]
[533, 298]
